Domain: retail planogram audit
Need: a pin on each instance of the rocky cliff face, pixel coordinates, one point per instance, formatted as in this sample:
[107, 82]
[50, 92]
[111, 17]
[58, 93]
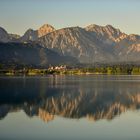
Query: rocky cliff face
[105, 33]
[4, 36]
[33, 35]
[126, 47]
[45, 29]
[30, 35]
[94, 43]
[79, 43]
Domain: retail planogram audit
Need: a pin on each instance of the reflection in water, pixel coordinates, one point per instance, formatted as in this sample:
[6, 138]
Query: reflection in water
[93, 97]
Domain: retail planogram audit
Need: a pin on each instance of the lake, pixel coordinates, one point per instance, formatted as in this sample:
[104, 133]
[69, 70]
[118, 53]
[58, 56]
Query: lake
[59, 107]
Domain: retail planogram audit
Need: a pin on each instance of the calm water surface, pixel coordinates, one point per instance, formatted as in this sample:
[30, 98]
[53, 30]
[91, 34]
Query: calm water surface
[70, 108]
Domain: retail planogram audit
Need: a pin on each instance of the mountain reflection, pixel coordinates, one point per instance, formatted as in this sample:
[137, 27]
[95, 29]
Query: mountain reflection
[70, 97]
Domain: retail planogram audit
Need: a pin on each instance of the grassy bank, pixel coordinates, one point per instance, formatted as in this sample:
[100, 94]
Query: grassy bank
[114, 70]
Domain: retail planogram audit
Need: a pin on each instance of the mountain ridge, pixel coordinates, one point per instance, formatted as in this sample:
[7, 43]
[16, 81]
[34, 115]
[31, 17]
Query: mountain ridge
[30, 54]
[91, 44]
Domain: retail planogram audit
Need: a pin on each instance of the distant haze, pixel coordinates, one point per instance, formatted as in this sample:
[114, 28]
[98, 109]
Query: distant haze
[17, 16]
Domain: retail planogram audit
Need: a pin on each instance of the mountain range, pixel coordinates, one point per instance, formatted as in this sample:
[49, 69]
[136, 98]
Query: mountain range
[89, 45]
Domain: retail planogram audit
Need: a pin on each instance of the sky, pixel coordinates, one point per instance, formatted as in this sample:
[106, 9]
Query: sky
[16, 16]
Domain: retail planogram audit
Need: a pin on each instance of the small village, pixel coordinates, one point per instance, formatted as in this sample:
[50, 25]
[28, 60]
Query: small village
[61, 67]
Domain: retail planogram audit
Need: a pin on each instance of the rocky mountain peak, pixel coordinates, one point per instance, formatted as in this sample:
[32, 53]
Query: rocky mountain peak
[91, 44]
[4, 37]
[45, 29]
[110, 29]
[2, 30]
[30, 35]
[94, 28]
[104, 33]
[134, 37]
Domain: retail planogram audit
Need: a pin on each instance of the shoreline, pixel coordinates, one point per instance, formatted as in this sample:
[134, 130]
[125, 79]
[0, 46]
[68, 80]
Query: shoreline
[76, 74]
[107, 70]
